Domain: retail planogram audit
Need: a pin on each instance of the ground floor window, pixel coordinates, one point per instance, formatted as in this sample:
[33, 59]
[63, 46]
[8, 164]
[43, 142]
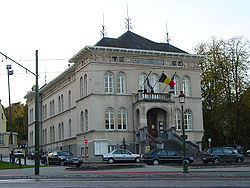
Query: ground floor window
[111, 148]
[1, 138]
[100, 147]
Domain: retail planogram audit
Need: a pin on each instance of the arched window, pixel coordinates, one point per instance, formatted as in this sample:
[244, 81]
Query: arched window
[178, 119]
[154, 82]
[186, 86]
[142, 81]
[86, 120]
[81, 87]
[122, 118]
[85, 82]
[109, 119]
[50, 109]
[121, 83]
[188, 120]
[82, 122]
[59, 104]
[177, 85]
[45, 139]
[62, 131]
[45, 111]
[62, 103]
[109, 82]
[53, 108]
[70, 131]
[69, 99]
[59, 132]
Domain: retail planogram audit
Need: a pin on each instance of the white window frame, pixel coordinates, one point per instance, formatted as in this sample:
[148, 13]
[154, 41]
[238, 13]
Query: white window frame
[186, 86]
[178, 119]
[188, 119]
[142, 81]
[154, 82]
[110, 117]
[109, 82]
[121, 83]
[100, 147]
[177, 85]
[81, 87]
[122, 119]
[85, 85]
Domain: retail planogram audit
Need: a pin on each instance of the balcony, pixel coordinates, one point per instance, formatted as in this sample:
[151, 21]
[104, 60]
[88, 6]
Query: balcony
[143, 96]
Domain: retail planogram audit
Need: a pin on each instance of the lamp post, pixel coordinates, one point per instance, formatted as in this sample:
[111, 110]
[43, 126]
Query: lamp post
[185, 162]
[10, 72]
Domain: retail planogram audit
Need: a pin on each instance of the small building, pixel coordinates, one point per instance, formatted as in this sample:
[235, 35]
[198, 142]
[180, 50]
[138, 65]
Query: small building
[5, 147]
[110, 97]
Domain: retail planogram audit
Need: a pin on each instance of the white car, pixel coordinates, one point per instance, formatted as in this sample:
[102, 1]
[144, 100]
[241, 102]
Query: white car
[121, 155]
[248, 153]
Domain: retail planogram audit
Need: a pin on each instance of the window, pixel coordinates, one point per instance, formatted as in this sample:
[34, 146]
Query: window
[186, 86]
[59, 132]
[31, 115]
[45, 111]
[86, 120]
[122, 118]
[174, 63]
[121, 83]
[62, 131]
[59, 104]
[70, 133]
[109, 119]
[114, 59]
[177, 85]
[51, 134]
[85, 85]
[62, 103]
[188, 120]
[53, 108]
[81, 87]
[178, 119]
[45, 137]
[109, 82]
[101, 147]
[82, 122]
[69, 99]
[2, 139]
[154, 82]
[142, 82]
[180, 64]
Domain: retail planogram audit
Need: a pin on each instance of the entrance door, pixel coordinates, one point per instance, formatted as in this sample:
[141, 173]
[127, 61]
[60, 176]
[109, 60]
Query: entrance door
[152, 123]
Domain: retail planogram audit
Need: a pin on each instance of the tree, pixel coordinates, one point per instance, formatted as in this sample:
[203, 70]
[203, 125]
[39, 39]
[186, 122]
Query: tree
[19, 117]
[224, 82]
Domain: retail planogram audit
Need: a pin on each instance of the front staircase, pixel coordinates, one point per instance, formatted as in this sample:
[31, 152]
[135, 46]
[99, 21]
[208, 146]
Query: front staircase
[168, 140]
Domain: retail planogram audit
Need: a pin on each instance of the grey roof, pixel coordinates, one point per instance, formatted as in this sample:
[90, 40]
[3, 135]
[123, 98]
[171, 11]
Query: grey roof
[131, 40]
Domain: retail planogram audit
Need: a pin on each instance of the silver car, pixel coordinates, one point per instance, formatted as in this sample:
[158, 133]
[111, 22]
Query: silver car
[121, 155]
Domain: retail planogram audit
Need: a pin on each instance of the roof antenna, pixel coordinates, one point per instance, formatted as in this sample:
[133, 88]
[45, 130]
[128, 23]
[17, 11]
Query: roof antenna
[45, 77]
[167, 37]
[128, 24]
[103, 31]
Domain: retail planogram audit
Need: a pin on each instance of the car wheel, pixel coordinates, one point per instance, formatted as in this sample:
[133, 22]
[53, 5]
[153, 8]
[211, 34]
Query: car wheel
[239, 160]
[155, 162]
[216, 161]
[137, 160]
[111, 161]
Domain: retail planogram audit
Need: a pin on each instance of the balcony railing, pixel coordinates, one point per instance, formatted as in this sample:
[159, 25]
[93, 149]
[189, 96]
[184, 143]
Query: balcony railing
[146, 96]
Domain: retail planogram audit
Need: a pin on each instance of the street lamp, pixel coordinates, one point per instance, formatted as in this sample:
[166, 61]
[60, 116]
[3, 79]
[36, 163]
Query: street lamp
[10, 72]
[185, 162]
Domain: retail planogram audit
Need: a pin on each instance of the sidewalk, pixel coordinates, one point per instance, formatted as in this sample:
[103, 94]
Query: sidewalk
[148, 171]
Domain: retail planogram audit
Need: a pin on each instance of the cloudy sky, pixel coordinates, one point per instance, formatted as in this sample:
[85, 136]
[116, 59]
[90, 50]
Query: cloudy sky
[60, 28]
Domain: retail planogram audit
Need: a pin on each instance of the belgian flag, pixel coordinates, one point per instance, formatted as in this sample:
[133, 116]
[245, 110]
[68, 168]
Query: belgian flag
[166, 80]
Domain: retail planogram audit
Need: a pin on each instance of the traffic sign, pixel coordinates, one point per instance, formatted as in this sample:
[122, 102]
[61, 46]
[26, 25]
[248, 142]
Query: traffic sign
[85, 141]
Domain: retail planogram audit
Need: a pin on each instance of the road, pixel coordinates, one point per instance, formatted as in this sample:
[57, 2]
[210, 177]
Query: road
[140, 183]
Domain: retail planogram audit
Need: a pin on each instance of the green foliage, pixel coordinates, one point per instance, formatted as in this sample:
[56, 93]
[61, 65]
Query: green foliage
[8, 165]
[19, 117]
[225, 90]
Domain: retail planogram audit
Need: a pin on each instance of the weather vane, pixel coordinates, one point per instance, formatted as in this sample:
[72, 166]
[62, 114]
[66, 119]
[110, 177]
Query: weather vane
[103, 31]
[128, 24]
[167, 37]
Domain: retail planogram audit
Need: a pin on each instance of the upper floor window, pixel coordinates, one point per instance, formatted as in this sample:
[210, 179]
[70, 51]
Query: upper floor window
[70, 131]
[85, 85]
[53, 108]
[81, 87]
[69, 99]
[109, 119]
[2, 139]
[121, 83]
[177, 85]
[62, 103]
[142, 81]
[186, 86]
[188, 120]
[45, 111]
[122, 118]
[109, 82]
[154, 82]
[59, 104]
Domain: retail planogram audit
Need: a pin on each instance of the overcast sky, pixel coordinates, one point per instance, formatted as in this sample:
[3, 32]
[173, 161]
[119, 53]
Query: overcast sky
[60, 28]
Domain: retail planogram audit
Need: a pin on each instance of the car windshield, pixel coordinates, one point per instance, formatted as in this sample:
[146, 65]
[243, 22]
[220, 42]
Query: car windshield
[63, 153]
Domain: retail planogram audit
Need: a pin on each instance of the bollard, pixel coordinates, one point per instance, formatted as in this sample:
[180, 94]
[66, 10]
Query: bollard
[19, 160]
[25, 159]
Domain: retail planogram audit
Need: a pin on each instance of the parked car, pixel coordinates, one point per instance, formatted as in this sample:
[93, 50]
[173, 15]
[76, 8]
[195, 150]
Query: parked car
[18, 153]
[239, 148]
[31, 155]
[221, 154]
[61, 158]
[121, 155]
[159, 156]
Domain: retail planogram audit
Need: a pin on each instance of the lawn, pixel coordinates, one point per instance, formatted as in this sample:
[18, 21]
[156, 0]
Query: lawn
[8, 165]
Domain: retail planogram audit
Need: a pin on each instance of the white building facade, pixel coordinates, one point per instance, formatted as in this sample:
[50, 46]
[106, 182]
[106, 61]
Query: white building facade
[102, 101]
